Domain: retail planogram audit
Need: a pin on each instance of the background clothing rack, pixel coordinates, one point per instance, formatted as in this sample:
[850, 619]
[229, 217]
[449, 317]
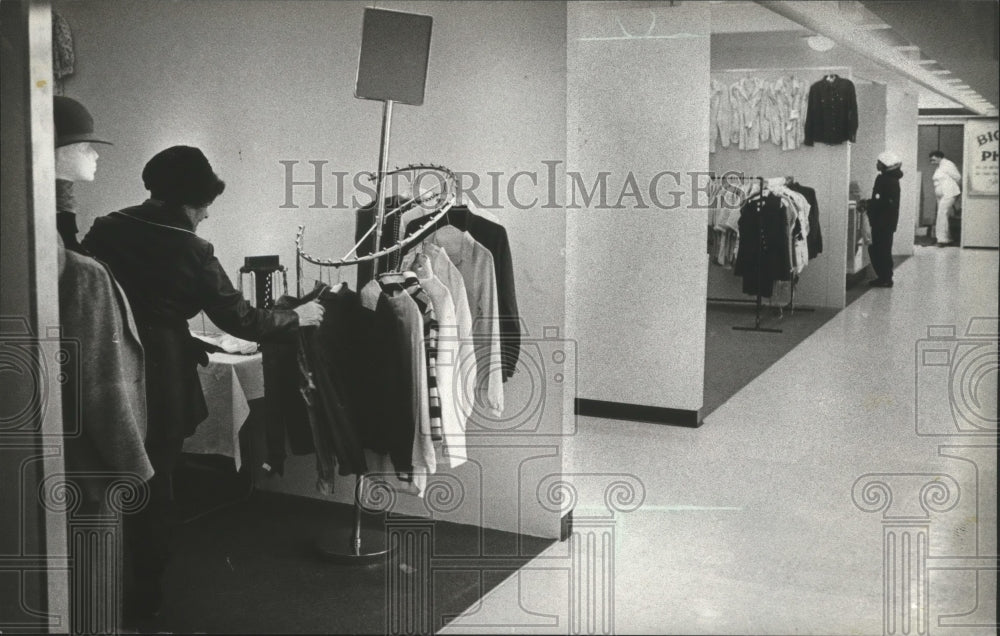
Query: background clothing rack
[760, 273]
[790, 306]
[366, 548]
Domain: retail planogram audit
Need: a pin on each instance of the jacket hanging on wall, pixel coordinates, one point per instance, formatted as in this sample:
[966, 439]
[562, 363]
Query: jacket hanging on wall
[833, 111]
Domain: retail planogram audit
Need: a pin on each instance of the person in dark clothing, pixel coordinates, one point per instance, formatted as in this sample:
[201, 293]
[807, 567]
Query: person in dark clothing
[169, 274]
[883, 216]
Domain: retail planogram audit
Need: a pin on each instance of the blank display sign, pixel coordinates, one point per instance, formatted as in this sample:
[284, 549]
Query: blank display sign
[394, 51]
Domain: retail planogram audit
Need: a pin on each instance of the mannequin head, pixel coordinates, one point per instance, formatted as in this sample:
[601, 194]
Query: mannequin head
[76, 162]
[76, 159]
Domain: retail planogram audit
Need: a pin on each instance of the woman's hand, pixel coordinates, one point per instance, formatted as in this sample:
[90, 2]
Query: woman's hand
[310, 314]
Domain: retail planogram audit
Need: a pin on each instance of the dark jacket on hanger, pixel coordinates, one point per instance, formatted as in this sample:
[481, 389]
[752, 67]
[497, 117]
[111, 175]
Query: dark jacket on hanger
[763, 243]
[832, 117]
[169, 274]
[493, 237]
[329, 358]
[814, 240]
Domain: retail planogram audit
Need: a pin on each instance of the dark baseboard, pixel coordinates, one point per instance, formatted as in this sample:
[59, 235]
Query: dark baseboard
[858, 277]
[566, 526]
[638, 413]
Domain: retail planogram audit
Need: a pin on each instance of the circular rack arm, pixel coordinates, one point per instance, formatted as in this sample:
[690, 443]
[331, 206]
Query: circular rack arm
[445, 200]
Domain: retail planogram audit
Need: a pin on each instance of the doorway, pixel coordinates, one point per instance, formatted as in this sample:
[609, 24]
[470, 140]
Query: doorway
[949, 139]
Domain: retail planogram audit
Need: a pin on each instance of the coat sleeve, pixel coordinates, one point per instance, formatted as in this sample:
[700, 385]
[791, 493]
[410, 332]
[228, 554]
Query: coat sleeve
[509, 318]
[232, 313]
[851, 99]
[813, 115]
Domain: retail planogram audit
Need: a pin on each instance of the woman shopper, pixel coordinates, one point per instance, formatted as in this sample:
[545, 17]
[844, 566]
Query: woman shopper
[169, 274]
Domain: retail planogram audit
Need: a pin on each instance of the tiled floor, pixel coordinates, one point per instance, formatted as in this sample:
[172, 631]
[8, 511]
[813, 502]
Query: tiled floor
[793, 509]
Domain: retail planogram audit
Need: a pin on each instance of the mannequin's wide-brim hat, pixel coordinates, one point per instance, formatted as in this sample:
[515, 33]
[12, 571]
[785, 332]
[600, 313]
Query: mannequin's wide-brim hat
[73, 123]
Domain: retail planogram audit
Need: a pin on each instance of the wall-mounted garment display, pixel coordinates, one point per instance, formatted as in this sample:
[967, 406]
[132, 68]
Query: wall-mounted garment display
[753, 110]
[832, 117]
[746, 98]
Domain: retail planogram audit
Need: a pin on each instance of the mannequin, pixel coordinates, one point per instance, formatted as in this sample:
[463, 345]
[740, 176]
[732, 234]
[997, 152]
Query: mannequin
[76, 160]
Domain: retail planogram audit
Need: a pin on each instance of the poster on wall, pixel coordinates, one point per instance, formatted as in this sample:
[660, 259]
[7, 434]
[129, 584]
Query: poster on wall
[981, 137]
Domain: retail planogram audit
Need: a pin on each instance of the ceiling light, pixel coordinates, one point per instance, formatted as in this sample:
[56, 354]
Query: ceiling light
[819, 43]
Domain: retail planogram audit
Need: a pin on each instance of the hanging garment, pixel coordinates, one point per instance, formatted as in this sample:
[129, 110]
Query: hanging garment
[467, 367]
[449, 352]
[421, 451]
[832, 117]
[771, 128]
[430, 337]
[476, 266]
[103, 397]
[748, 93]
[331, 387]
[799, 225]
[763, 256]
[814, 237]
[720, 119]
[63, 56]
[493, 237]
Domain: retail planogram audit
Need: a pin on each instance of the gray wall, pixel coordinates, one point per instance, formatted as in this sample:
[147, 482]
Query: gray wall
[260, 82]
[637, 276]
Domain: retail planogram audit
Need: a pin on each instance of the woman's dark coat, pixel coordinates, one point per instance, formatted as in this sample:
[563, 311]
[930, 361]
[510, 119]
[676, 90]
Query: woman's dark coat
[169, 275]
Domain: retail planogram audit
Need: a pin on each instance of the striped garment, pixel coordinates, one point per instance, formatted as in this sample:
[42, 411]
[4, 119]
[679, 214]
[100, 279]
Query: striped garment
[412, 286]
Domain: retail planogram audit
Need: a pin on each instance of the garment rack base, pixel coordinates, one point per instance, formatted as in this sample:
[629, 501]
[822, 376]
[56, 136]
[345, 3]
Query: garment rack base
[764, 329]
[336, 547]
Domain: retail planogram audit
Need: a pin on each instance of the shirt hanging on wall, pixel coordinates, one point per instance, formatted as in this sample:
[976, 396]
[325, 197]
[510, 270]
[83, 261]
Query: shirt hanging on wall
[833, 111]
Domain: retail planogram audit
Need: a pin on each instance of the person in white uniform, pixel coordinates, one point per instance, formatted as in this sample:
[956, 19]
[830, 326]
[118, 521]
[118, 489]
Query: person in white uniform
[947, 188]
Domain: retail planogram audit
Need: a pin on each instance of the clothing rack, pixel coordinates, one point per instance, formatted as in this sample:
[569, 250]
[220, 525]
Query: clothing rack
[791, 307]
[760, 274]
[333, 548]
[758, 301]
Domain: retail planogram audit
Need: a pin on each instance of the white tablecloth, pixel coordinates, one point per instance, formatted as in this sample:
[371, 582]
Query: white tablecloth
[229, 382]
